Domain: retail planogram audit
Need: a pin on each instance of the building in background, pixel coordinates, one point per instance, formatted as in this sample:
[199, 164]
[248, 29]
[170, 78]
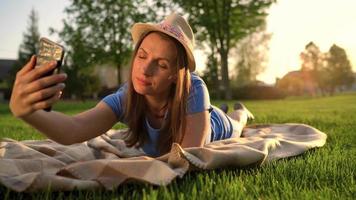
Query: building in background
[302, 83]
[5, 67]
[107, 76]
[298, 83]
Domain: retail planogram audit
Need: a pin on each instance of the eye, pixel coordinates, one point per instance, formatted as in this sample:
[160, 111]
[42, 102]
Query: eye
[163, 66]
[141, 55]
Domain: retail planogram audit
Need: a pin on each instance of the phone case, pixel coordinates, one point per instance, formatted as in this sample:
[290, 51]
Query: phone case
[49, 51]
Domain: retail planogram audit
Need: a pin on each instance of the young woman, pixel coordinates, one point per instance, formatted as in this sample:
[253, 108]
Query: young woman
[162, 102]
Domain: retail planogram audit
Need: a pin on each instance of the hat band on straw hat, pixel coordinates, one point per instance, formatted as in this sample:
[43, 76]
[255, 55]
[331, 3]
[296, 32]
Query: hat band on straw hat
[173, 30]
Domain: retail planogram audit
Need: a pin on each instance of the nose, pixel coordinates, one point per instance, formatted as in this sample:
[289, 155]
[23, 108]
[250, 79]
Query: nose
[148, 68]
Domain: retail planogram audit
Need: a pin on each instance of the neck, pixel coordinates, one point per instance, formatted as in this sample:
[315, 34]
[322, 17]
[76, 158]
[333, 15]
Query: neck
[157, 105]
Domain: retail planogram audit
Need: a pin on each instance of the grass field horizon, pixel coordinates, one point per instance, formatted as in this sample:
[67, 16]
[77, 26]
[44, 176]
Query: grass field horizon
[321, 173]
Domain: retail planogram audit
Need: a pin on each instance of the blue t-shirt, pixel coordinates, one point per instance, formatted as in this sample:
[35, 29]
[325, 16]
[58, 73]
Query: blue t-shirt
[198, 101]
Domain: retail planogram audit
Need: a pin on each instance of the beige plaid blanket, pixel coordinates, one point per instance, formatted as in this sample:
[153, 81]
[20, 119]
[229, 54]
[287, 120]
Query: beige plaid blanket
[105, 161]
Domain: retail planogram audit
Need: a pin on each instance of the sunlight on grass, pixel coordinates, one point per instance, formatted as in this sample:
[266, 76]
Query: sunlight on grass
[325, 173]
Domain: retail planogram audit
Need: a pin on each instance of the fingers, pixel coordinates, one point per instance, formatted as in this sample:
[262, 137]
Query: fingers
[39, 71]
[33, 91]
[44, 94]
[29, 65]
[48, 102]
[45, 82]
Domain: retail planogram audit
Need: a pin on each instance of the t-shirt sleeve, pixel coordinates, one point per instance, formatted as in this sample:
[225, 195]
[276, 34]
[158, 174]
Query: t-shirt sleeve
[116, 102]
[198, 98]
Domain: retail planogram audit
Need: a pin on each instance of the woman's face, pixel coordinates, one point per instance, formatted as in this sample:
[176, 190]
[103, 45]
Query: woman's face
[154, 66]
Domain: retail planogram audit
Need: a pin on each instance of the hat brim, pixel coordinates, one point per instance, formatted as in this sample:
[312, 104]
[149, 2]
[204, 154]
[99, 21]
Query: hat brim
[140, 29]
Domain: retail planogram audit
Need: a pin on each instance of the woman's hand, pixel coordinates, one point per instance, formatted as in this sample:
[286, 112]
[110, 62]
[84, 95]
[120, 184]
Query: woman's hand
[33, 91]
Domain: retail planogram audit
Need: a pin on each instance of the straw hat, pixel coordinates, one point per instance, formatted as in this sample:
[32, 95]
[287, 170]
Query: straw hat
[173, 25]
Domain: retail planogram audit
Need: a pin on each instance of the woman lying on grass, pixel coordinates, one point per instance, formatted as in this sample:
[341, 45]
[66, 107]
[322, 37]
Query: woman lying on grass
[162, 102]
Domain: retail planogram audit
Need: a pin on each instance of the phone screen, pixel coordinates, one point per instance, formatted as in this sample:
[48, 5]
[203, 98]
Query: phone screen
[49, 51]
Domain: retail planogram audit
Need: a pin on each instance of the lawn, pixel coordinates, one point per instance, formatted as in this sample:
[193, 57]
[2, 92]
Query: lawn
[324, 173]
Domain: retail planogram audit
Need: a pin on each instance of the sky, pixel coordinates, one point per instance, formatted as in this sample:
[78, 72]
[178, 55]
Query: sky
[292, 23]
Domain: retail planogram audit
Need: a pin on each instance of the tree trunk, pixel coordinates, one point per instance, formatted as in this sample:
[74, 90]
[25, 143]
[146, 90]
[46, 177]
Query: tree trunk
[216, 81]
[118, 74]
[225, 75]
[215, 74]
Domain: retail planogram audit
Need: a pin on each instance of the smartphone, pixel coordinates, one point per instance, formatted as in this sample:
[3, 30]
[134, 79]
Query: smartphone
[49, 51]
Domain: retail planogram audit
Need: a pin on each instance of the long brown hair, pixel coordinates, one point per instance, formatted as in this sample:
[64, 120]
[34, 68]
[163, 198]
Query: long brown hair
[173, 127]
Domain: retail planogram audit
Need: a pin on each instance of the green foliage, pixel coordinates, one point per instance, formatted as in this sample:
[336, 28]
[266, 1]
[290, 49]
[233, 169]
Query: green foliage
[312, 58]
[104, 28]
[251, 53]
[323, 173]
[211, 76]
[221, 24]
[28, 47]
[339, 70]
[81, 81]
[30, 42]
[331, 71]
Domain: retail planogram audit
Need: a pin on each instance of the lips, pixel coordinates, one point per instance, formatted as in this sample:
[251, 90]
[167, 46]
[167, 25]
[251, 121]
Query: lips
[143, 81]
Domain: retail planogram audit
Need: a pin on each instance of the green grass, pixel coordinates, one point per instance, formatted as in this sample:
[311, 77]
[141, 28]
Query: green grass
[324, 173]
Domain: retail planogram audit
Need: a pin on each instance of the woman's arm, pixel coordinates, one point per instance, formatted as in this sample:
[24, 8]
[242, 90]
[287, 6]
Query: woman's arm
[33, 92]
[68, 130]
[197, 129]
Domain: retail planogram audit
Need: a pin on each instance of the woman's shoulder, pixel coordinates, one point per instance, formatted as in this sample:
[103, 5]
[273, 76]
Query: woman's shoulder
[198, 86]
[196, 80]
[198, 99]
[120, 91]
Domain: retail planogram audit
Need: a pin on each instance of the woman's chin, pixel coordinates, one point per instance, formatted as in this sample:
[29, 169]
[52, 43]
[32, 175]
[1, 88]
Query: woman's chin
[142, 91]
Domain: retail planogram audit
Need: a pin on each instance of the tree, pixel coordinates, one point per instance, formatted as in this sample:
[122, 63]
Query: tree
[339, 69]
[312, 58]
[330, 71]
[221, 24]
[252, 57]
[211, 75]
[80, 82]
[313, 63]
[105, 28]
[28, 47]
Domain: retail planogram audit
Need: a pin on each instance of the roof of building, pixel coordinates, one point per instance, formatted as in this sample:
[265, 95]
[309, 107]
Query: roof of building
[303, 75]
